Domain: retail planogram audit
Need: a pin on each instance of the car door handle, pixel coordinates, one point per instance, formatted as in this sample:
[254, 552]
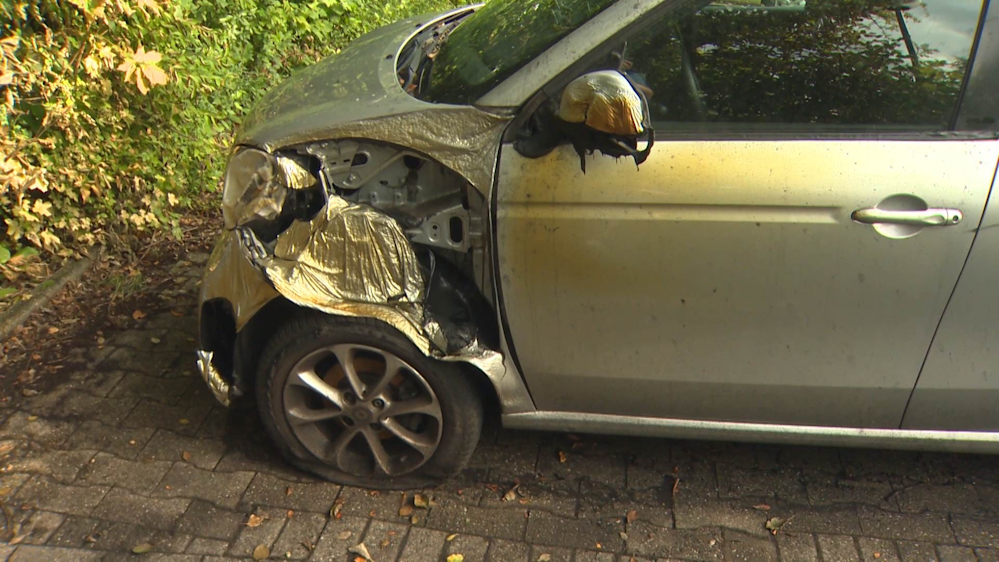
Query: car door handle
[926, 217]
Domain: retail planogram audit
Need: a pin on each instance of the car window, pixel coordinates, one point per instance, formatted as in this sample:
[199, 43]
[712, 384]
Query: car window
[805, 63]
[497, 40]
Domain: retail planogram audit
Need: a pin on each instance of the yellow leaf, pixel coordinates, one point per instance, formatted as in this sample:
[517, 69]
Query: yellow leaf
[42, 208]
[143, 57]
[154, 74]
[91, 65]
[151, 4]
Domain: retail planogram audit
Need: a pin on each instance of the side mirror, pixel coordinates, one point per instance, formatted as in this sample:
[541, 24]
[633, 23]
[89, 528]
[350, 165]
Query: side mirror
[600, 110]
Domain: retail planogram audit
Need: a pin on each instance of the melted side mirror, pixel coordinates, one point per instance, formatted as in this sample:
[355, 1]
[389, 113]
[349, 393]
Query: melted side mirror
[600, 110]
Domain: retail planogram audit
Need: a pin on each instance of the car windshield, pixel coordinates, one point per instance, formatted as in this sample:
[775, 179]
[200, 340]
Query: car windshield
[497, 40]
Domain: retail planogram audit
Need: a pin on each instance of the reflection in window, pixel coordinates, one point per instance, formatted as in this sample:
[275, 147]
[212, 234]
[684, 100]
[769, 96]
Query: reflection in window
[823, 62]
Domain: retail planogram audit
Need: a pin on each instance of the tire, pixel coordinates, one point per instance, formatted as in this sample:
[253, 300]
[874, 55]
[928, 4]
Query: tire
[417, 449]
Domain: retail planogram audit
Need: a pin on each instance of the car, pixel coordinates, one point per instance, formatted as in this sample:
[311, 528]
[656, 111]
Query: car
[757, 220]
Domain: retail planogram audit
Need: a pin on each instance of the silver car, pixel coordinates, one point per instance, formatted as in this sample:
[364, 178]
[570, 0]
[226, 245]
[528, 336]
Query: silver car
[761, 220]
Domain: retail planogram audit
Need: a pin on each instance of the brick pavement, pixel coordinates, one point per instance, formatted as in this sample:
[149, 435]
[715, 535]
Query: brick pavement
[132, 450]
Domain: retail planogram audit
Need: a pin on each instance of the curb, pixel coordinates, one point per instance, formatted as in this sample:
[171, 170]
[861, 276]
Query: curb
[19, 312]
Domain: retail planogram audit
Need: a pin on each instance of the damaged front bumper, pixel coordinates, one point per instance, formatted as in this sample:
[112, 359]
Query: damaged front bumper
[220, 388]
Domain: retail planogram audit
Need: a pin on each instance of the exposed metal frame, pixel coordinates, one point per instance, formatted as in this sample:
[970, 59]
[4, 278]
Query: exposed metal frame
[904, 439]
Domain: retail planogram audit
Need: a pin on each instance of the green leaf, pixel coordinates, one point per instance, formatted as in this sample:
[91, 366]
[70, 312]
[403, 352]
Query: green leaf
[25, 252]
[4, 254]
[6, 292]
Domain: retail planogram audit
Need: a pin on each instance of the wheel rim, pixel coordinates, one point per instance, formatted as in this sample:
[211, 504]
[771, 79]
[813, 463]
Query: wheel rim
[362, 410]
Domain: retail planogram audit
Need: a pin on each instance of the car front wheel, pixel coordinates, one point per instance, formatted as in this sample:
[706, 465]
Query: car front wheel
[353, 401]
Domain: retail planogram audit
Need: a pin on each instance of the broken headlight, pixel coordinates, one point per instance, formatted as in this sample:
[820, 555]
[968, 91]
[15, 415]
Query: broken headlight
[256, 186]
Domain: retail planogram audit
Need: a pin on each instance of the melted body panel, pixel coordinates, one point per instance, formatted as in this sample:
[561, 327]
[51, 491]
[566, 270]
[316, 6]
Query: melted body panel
[726, 280]
[959, 385]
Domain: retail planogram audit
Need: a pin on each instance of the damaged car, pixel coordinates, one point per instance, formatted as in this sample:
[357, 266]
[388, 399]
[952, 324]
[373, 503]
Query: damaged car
[763, 220]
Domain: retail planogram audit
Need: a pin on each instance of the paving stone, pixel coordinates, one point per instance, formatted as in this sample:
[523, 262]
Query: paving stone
[165, 390]
[974, 532]
[61, 466]
[916, 551]
[559, 497]
[210, 547]
[266, 533]
[264, 460]
[384, 540]
[6, 551]
[602, 534]
[169, 446]
[781, 483]
[700, 544]
[183, 418]
[44, 431]
[471, 547]
[987, 554]
[10, 483]
[138, 360]
[948, 553]
[98, 383]
[507, 462]
[592, 556]
[300, 530]
[505, 524]
[37, 527]
[124, 442]
[906, 526]
[650, 469]
[691, 514]
[216, 424]
[608, 469]
[503, 551]
[74, 531]
[331, 546]
[601, 501]
[828, 490]
[423, 544]
[132, 475]
[837, 547]
[317, 497]
[120, 536]
[835, 520]
[879, 550]
[120, 505]
[43, 493]
[551, 553]
[28, 553]
[955, 498]
[749, 548]
[221, 488]
[109, 411]
[203, 519]
[797, 547]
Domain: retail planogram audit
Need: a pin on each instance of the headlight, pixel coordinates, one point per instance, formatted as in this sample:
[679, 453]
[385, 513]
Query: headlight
[256, 185]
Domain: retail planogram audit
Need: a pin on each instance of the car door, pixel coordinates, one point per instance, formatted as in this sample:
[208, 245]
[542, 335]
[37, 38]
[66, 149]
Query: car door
[787, 250]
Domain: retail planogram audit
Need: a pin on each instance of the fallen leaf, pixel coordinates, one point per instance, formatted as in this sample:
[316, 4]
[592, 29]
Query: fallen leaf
[186, 455]
[53, 330]
[405, 511]
[774, 524]
[344, 535]
[359, 559]
[254, 520]
[287, 491]
[562, 457]
[291, 513]
[336, 510]
[385, 542]
[456, 558]
[545, 558]
[451, 537]
[155, 340]
[631, 515]
[492, 487]
[511, 494]
[183, 421]
[762, 507]
[877, 555]
[372, 513]
[623, 535]
[6, 448]
[420, 500]
[414, 520]
[142, 548]
[138, 314]
[262, 552]
[32, 418]
[361, 550]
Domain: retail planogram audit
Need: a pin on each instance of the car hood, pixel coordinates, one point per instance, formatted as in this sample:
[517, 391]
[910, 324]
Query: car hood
[356, 94]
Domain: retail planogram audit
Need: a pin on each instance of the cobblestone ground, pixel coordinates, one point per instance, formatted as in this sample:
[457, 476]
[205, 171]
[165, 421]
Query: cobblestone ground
[133, 453]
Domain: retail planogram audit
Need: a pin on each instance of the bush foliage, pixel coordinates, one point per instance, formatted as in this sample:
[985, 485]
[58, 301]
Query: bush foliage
[118, 113]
